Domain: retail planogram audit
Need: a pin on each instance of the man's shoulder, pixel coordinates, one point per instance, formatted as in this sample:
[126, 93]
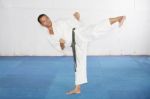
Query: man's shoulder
[60, 20]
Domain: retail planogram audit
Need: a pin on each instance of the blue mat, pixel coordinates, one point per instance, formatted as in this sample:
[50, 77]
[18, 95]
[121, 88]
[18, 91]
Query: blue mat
[109, 77]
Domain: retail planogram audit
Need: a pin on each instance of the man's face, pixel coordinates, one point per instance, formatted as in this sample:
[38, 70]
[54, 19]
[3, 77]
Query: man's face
[45, 21]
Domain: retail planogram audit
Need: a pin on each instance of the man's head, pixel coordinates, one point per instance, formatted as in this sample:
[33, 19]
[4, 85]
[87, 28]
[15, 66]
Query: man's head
[44, 20]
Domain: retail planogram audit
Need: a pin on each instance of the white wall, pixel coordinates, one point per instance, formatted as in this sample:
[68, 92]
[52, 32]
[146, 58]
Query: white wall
[20, 33]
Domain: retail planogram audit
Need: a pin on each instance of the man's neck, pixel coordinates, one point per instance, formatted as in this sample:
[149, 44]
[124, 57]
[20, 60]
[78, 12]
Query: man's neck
[50, 29]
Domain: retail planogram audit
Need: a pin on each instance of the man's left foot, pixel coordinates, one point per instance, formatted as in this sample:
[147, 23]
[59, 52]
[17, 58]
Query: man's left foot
[121, 21]
[75, 91]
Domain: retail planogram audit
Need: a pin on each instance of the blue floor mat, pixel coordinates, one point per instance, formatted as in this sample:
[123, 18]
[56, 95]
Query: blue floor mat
[43, 77]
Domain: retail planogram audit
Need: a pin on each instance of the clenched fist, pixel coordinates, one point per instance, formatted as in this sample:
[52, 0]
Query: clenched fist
[62, 40]
[62, 43]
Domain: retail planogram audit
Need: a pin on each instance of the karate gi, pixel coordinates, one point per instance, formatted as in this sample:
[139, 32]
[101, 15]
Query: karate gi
[83, 35]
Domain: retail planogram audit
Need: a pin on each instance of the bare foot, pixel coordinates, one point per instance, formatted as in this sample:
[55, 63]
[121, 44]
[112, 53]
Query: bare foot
[122, 20]
[75, 91]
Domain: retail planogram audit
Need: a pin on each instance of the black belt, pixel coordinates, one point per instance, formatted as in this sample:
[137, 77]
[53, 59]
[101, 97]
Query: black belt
[73, 48]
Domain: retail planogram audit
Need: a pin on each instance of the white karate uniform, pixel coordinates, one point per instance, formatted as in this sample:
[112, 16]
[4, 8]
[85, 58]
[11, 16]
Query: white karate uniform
[83, 35]
[62, 29]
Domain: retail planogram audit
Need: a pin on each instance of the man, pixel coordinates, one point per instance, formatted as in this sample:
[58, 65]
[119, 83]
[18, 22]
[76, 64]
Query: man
[61, 36]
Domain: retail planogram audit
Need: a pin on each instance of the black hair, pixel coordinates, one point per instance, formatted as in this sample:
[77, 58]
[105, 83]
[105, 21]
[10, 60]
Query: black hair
[40, 16]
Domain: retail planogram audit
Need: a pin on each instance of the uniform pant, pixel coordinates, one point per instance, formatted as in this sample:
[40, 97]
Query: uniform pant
[82, 37]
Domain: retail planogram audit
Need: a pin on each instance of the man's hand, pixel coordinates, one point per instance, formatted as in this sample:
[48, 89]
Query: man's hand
[62, 40]
[62, 43]
[77, 16]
